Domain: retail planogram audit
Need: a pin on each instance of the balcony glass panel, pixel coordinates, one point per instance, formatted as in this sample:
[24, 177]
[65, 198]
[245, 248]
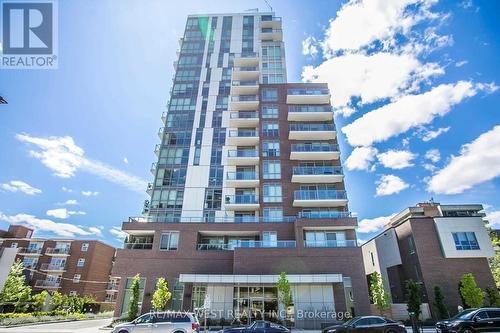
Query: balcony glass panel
[242, 175]
[242, 199]
[243, 133]
[242, 153]
[317, 170]
[330, 243]
[320, 195]
[312, 127]
[302, 147]
[299, 91]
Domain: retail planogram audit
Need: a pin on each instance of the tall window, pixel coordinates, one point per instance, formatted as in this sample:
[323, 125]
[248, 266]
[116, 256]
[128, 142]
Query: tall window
[273, 214]
[213, 198]
[270, 129]
[81, 262]
[85, 247]
[270, 111]
[271, 148]
[269, 238]
[269, 95]
[169, 241]
[76, 278]
[272, 193]
[465, 241]
[271, 169]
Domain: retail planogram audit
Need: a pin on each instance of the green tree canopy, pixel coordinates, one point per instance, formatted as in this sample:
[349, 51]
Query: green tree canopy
[133, 309]
[16, 292]
[284, 290]
[439, 303]
[379, 296]
[38, 300]
[471, 294]
[414, 298]
[493, 297]
[161, 295]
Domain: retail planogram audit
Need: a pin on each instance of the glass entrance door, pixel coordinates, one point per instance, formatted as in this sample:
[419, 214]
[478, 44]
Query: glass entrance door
[256, 309]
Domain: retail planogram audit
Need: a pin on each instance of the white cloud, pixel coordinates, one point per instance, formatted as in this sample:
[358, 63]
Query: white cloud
[64, 158]
[410, 111]
[429, 167]
[390, 184]
[375, 224]
[309, 46]
[493, 219]
[478, 162]
[96, 231]
[433, 155]
[396, 159]
[90, 193]
[70, 202]
[63, 213]
[20, 186]
[65, 189]
[117, 231]
[370, 77]
[360, 23]
[125, 160]
[427, 135]
[361, 158]
[60, 229]
[461, 63]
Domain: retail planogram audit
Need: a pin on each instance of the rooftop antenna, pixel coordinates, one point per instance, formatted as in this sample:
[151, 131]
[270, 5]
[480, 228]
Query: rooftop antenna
[267, 3]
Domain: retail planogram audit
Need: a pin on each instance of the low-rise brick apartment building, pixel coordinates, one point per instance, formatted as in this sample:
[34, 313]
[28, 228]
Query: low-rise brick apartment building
[73, 267]
[434, 245]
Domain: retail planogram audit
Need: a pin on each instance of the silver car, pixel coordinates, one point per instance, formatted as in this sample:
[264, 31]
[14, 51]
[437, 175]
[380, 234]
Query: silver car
[165, 322]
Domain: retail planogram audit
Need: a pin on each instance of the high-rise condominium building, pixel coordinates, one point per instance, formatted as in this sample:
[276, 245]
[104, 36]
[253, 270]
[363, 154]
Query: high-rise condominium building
[248, 184]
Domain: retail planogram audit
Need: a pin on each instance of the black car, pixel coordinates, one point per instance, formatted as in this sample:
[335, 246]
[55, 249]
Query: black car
[368, 324]
[471, 320]
[258, 326]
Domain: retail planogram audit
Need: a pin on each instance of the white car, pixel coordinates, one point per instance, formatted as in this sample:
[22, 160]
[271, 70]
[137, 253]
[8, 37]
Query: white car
[165, 322]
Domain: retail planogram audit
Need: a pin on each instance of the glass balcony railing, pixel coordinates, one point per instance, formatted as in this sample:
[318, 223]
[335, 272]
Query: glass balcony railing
[324, 215]
[241, 199]
[330, 243]
[269, 18]
[248, 244]
[246, 69]
[242, 175]
[317, 170]
[326, 147]
[299, 91]
[52, 267]
[270, 30]
[243, 133]
[138, 246]
[245, 98]
[242, 153]
[55, 251]
[28, 250]
[320, 195]
[244, 115]
[308, 127]
[218, 219]
[246, 55]
[245, 83]
[310, 108]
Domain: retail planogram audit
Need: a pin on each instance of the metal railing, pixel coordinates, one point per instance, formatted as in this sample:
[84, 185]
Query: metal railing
[243, 133]
[246, 55]
[323, 215]
[138, 246]
[52, 267]
[56, 250]
[27, 250]
[330, 243]
[326, 147]
[312, 127]
[246, 69]
[310, 108]
[245, 98]
[242, 175]
[244, 115]
[245, 83]
[248, 244]
[320, 195]
[299, 91]
[317, 170]
[112, 286]
[269, 30]
[241, 199]
[269, 18]
[218, 219]
[242, 153]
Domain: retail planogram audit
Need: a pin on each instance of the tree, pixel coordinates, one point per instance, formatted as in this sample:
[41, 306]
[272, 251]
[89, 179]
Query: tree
[284, 291]
[161, 295]
[440, 304]
[493, 297]
[133, 308]
[380, 297]
[495, 260]
[38, 300]
[471, 294]
[16, 292]
[56, 300]
[414, 299]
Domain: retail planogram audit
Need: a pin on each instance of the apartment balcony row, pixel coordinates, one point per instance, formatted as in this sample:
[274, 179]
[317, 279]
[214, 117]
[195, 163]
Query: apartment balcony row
[27, 251]
[242, 179]
[269, 21]
[47, 284]
[246, 59]
[244, 103]
[317, 174]
[244, 87]
[308, 96]
[314, 151]
[330, 243]
[212, 219]
[320, 198]
[243, 137]
[138, 246]
[244, 119]
[248, 244]
[241, 202]
[310, 113]
[270, 33]
[311, 131]
[53, 267]
[63, 251]
[246, 73]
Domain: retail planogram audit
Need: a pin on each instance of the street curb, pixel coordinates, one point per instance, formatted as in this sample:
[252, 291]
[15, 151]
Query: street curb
[50, 322]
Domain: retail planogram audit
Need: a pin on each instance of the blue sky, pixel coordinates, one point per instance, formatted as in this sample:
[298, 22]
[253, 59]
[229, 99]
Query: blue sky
[410, 90]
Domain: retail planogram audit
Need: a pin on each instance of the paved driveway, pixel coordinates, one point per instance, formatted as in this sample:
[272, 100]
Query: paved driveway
[83, 326]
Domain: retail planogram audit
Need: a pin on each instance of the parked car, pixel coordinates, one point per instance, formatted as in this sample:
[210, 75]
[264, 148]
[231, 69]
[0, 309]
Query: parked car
[165, 322]
[471, 320]
[368, 324]
[258, 326]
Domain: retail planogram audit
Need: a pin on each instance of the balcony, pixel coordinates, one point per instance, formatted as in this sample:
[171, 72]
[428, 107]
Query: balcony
[244, 103]
[317, 174]
[246, 59]
[244, 119]
[246, 73]
[64, 251]
[324, 215]
[160, 132]
[164, 116]
[26, 251]
[242, 179]
[314, 151]
[112, 287]
[243, 202]
[215, 219]
[149, 189]
[52, 267]
[245, 87]
[308, 96]
[310, 113]
[319, 198]
[153, 169]
[138, 246]
[311, 131]
[157, 150]
[268, 21]
[243, 157]
[271, 34]
[330, 243]
[248, 244]
[243, 137]
[47, 284]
